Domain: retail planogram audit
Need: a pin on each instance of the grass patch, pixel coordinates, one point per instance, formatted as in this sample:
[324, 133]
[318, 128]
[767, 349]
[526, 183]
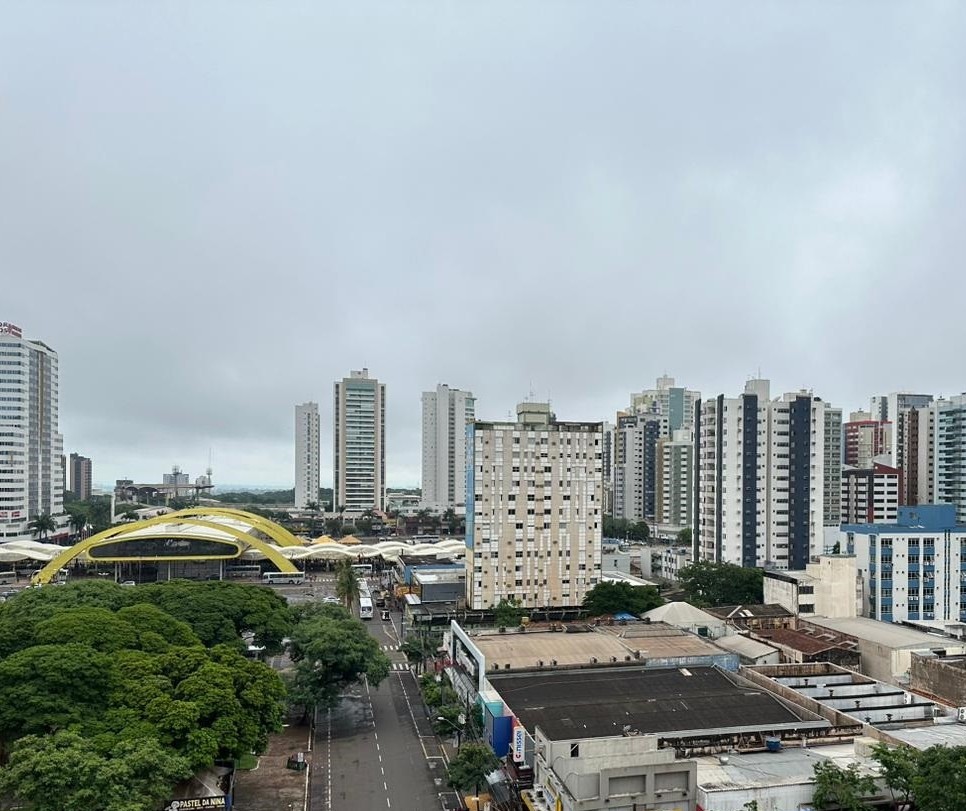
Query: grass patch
[246, 762]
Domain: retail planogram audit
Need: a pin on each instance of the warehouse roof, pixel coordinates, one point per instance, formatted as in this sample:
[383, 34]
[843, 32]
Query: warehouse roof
[610, 701]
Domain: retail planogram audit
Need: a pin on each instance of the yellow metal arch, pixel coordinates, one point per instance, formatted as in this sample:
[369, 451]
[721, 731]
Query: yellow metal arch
[275, 531]
[116, 534]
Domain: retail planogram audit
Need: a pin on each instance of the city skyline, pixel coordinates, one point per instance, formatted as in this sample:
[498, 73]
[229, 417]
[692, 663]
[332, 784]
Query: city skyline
[254, 209]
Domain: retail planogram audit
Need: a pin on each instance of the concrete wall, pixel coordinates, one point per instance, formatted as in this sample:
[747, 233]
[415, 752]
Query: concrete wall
[787, 797]
[781, 592]
[938, 677]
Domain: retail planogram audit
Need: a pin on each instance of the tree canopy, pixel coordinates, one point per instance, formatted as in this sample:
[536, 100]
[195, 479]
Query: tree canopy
[468, 770]
[508, 613]
[708, 584]
[331, 650]
[623, 528]
[615, 598]
[132, 696]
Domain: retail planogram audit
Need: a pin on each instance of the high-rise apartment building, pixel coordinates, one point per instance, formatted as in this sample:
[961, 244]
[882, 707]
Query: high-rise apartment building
[446, 413]
[31, 446]
[534, 521]
[306, 455]
[674, 402]
[80, 476]
[359, 443]
[950, 454]
[870, 495]
[769, 477]
[674, 481]
[635, 464]
[894, 408]
[866, 439]
[918, 431]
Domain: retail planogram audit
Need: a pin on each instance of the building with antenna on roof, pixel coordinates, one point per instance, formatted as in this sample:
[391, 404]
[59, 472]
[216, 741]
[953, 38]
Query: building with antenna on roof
[534, 509]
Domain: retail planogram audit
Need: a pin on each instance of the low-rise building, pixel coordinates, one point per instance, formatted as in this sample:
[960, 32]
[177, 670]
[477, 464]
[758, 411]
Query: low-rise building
[688, 618]
[912, 569]
[828, 586]
[886, 648]
[750, 651]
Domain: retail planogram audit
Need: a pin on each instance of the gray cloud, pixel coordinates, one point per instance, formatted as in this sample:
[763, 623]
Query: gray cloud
[213, 211]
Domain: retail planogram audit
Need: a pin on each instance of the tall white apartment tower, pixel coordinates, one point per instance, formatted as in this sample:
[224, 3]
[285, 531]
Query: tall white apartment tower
[306, 454]
[769, 478]
[359, 443]
[446, 412]
[30, 443]
[534, 520]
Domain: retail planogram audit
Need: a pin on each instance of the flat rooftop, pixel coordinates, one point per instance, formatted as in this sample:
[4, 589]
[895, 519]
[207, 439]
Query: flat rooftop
[601, 703]
[790, 766]
[888, 634]
[636, 641]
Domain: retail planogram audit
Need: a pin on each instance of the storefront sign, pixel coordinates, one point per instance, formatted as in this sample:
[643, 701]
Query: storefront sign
[519, 743]
[195, 803]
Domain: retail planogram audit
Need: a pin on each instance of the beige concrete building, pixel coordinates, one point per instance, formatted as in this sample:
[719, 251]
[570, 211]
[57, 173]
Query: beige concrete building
[827, 587]
[534, 521]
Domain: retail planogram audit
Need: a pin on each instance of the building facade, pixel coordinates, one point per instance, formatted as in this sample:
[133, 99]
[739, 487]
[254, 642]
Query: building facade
[769, 477]
[359, 443]
[870, 495]
[913, 569]
[950, 454]
[675, 403]
[866, 439]
[446, 413]
[918, 431]
[81, 475]
[31, 446]
[306, 455]
[635, 465]
[534, 521]
[674, 480]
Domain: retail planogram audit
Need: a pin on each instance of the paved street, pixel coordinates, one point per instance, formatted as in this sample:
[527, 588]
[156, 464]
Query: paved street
[377, 748]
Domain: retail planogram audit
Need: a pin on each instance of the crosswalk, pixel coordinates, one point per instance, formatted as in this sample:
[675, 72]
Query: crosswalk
[390, 647]
[400, 666]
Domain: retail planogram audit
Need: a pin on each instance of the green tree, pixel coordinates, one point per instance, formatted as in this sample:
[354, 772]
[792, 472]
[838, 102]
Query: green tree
[940, 780]
[332, 651]
[712, 584]
[64, 772]
[625, 529]
[507, 613]
[614, 598]
[684, 536]
[469, 769]
[130, 515]
[49, 687]
[899, 769]
[846, 789]
[346, 583]
[412, 647]
[42, 525]
[78, 521]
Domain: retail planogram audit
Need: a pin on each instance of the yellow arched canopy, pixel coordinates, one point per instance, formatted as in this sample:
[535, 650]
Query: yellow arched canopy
[194, 524]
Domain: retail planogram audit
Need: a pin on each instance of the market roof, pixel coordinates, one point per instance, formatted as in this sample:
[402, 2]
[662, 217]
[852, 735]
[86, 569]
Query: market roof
[609, 701]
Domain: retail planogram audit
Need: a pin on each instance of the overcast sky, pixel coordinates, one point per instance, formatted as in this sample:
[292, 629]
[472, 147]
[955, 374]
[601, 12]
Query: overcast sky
[214, 210]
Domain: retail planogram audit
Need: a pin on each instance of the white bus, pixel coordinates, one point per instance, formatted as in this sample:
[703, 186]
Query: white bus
[276, 578]
[365, 608]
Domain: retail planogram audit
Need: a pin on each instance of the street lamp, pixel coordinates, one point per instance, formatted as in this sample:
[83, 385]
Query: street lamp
[459, 728]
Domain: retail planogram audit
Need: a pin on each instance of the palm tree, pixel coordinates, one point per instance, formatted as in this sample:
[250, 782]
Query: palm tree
[78, 521]
[346, 583]
[42, 525]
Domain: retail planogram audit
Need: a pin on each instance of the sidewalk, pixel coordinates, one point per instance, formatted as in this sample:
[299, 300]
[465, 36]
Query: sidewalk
[272, 786]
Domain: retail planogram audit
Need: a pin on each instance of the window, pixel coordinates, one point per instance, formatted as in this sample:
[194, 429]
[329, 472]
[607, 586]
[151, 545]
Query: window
[575, 750]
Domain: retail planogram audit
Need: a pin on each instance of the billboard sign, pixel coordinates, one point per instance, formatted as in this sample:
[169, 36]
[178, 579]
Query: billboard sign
[519, 743]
